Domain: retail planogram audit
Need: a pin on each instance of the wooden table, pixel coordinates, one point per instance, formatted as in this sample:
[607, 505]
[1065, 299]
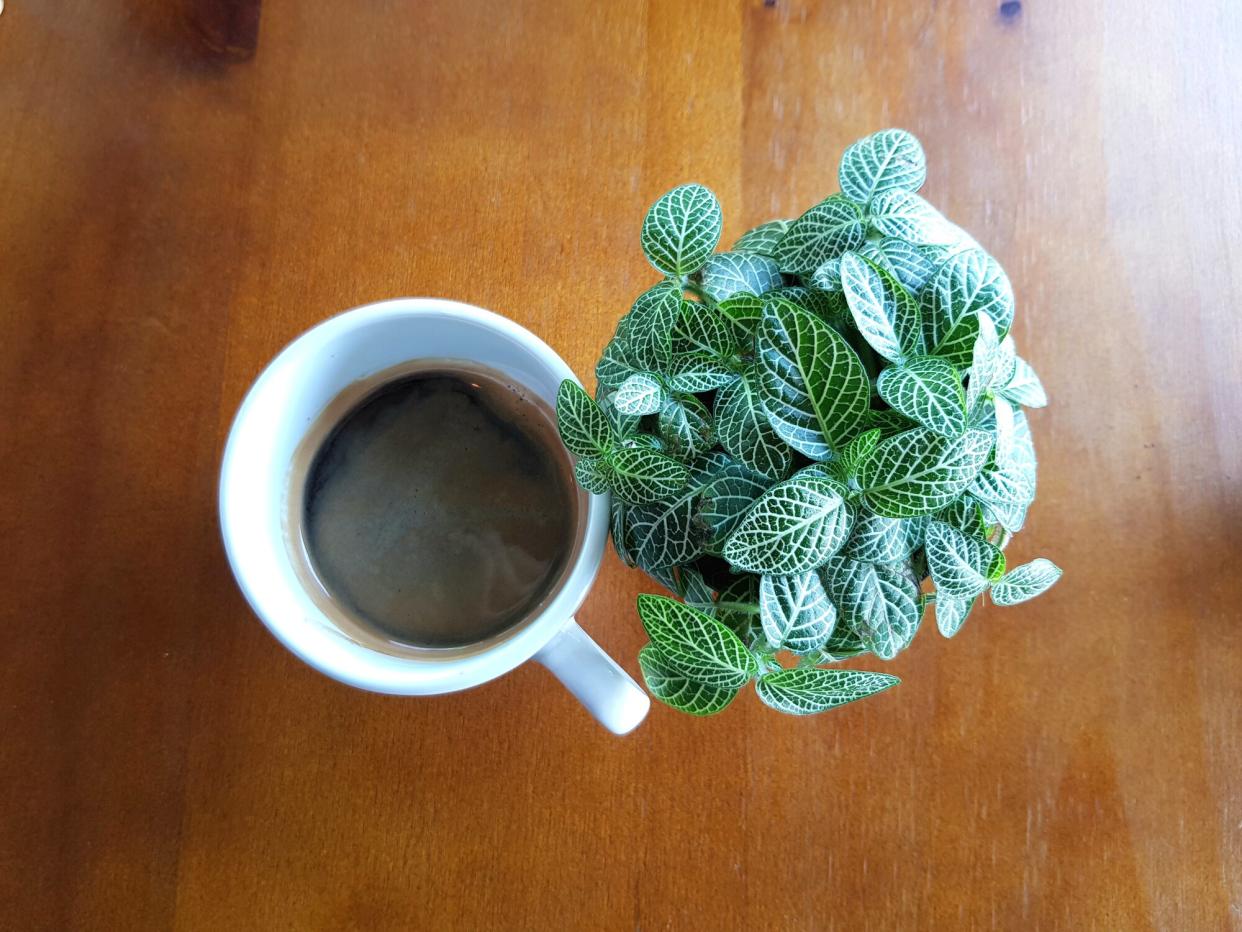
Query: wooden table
[172, 215]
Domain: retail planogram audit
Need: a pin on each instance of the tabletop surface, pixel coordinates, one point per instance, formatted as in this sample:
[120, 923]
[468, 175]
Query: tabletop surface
[180, 196]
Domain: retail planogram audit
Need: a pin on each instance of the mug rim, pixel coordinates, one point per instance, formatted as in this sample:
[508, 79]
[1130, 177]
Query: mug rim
[311, 634]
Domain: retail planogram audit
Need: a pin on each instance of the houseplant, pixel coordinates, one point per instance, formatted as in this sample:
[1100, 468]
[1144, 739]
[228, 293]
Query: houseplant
[800, 432]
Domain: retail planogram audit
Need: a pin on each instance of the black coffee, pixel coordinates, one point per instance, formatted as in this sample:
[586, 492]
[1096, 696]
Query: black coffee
[441, 508]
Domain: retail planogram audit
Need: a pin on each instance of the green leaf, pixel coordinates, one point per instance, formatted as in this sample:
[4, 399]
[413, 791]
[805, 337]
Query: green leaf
[857, 451]
[638, 395]
[670, 686]
[593, 474]
[827, 306]
[966, 516]
[681, 230]
[879, 603]
[824, 232]
[951, 613]
[646, 331]
[623, 425]
[790, 529]
[912, 265]
[795, 612]
[762, 239]
[615, 365]
[807, 690]
[960, 565]
[890, 160]
[920, 472]
[621, 533]
[927, 390]
[669, 532]
[888, 422]
[906, 216]
[885, 313]
[877, 539]
[686, 427]
[730, 273]
[743, 429]
[582, 424]
[743, 312]
[698, 372]
[725, 498]
[1026, 582]
[701, 329]
[737, 608]
[1005, 494]
[966, 284]
[695, 591]
[641, 475]
[813, 385]
[694, 644]
[1024, 387]
[987, 361]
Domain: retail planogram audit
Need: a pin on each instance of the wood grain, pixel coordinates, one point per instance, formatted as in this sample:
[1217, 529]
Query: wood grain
[170, 217]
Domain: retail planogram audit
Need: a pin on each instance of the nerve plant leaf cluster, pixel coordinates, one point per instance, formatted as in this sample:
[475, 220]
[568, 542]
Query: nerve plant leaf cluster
[799, 432]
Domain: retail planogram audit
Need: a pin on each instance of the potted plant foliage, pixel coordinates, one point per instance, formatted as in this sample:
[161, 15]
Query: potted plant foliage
[811, 438]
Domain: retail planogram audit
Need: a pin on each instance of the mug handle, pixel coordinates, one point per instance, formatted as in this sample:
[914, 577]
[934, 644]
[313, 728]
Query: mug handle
[608, 692]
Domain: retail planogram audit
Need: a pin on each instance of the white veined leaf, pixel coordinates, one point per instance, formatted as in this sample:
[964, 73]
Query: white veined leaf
[911, 265]
[694, 644]
[1005, 494]
[854, 453]
[623, 425]
[698, 372]
[888, 422]
[885, 313]
[737, 608]
[1021, 460]
[1024, 387]
[743, 312]
[701, 328]
[1005, 431]
[686, 427]
[877, 539]
[639, 394]
[641, 475]
[725, 498]
[920, 472]
[987, 361]
[951, 613]
[593, 474]
[695, 591]
[1025, 582]
[905, 215]
[743, 429]
[615, 364]
[878, 603]
[729, 273]
[807, 690]
[790, 529]
[890, 160]
[670, 686]
[966, 516]
[927, 390]
[824, 232]
[795, 612]
[828, 276]
[762, 240]
[813, 384]
[966, 284]
[621, 533]
[682, 229]
[960, 565]
[827, 306]
[669, 532]
[646, 331]
[582, 424]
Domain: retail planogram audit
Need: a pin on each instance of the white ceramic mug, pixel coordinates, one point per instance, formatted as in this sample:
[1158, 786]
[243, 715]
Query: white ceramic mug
[283, 404]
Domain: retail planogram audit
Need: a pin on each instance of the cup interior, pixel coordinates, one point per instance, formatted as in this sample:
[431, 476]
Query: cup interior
[283, 405]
